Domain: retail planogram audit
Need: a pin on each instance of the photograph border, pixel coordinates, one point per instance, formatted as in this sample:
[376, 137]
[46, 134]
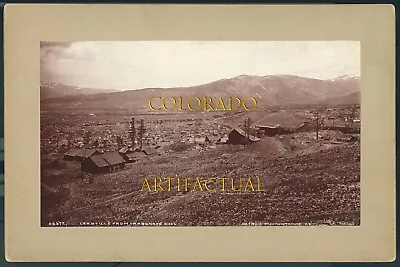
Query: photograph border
[374, 240]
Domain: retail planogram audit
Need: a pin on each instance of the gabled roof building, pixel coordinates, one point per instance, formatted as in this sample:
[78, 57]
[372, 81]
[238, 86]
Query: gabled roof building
[238, 137]
[102, 163]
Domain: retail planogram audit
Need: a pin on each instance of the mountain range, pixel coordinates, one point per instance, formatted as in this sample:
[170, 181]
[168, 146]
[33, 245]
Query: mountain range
[55, 90]
[270, 90]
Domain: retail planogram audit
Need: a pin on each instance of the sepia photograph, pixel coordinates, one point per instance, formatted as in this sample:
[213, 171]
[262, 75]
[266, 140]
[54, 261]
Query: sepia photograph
[200, 133]
[249, 133]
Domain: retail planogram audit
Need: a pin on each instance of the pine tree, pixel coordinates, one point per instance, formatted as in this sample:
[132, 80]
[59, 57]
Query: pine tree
[132, 132]
[247, 130]
[141, 132]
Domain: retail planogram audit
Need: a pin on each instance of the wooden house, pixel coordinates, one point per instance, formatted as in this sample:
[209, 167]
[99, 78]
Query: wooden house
[101, 163]
[238, 136]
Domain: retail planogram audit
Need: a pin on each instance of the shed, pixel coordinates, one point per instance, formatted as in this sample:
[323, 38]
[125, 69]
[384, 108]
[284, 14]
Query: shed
[238, 136]
[101, 163]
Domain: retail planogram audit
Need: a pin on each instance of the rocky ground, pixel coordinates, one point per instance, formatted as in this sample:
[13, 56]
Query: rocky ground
[306, 182]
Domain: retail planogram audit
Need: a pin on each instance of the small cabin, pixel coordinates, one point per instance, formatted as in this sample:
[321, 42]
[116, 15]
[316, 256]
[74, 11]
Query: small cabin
[102, 163]
[239, 137]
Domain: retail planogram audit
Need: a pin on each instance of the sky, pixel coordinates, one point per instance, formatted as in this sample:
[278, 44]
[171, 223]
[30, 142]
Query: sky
[150, 64]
